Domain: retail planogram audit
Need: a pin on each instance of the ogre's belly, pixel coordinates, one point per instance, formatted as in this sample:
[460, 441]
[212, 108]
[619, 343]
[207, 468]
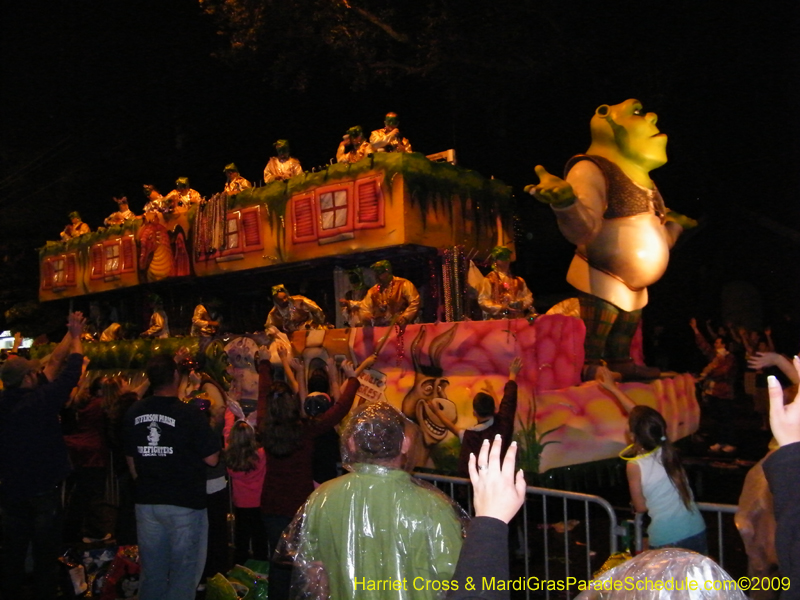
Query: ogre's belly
[635, 249]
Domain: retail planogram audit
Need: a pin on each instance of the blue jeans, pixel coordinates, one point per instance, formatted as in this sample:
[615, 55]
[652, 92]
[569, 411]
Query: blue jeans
[172, 550]
[697, 543]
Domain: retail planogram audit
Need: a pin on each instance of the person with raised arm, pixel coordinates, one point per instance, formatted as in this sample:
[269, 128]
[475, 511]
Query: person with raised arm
[719, 379]
[498, 494]
[34, 464]
[490, 423]
[353, 146]
[656, 479]
[782, 469]
[389, 138]
[288, 441]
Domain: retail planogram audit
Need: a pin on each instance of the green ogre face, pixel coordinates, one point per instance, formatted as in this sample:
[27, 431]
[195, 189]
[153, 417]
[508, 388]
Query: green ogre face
[633, 131]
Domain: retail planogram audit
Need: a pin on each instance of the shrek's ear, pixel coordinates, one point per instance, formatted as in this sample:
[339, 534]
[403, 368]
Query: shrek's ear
[602, 110]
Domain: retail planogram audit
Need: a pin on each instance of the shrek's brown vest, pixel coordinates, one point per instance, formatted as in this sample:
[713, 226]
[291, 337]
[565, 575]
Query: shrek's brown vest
[624, 197]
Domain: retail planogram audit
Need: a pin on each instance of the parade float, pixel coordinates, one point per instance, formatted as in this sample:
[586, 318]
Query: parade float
[387, 206]
[386, 201]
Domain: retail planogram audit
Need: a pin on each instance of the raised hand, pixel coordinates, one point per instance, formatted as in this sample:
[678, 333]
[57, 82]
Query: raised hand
[263, 353]
[75, 324]
[348, 369]
[498, 491]
[283, 354]
[761, 360]
[605, 378]
[783, 420]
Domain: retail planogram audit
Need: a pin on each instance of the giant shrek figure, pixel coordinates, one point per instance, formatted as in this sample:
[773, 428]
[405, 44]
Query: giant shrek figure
[612, 211]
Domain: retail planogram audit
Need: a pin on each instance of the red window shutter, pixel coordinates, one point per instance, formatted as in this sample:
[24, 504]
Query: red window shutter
[305, 227]
[47, 274]
[251, 229]
[128, 254]
[71, 267]
[97, 259]
[369, 203]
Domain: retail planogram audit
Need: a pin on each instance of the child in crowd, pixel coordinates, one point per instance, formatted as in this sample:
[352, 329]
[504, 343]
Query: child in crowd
[87, 515]
[490, 423]
[656, 479]
[247, 465]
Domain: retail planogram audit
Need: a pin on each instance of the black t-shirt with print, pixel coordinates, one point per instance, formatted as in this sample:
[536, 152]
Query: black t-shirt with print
[168, 440]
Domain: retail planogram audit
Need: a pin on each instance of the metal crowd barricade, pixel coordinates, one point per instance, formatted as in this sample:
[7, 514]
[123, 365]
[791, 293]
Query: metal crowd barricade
[719, 510]
[553, 569]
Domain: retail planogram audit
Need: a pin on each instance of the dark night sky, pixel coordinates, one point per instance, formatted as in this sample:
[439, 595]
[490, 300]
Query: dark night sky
[100, 97]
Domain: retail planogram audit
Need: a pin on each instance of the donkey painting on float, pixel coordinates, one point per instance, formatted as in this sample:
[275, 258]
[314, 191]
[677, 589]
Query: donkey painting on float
[430, 387]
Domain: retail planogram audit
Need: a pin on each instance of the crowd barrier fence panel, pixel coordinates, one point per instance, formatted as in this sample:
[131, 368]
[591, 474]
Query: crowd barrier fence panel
[567, 504]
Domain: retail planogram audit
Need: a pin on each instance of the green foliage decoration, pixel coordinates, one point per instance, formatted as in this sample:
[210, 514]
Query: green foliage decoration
[432, 185]
[84, 242]
[126, 354]
[531, 444]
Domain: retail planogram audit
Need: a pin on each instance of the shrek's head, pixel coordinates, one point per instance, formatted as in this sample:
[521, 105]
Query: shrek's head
[628, 136]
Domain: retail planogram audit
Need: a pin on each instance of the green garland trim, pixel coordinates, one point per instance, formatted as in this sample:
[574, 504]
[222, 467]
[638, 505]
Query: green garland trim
[84, 242]
[126, 354]
[430, 184]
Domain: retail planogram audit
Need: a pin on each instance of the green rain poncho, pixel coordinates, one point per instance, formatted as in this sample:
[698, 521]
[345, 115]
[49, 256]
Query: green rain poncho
[379, 534]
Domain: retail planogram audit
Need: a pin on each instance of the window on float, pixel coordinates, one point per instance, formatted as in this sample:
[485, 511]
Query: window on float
[232, 232]
[333, 212]
[60, 272]
[112, 257]
[112, 264]
[335, 208]
[243, 231]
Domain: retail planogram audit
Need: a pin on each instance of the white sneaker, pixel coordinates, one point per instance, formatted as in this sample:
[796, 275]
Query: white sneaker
[715, 448]
[728, 448]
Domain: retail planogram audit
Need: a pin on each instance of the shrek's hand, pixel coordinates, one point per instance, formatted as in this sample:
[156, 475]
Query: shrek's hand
[682, 220]
[551, 190]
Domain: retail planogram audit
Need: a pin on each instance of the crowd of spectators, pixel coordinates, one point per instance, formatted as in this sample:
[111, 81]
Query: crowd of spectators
[732, 386]
[178, 465]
